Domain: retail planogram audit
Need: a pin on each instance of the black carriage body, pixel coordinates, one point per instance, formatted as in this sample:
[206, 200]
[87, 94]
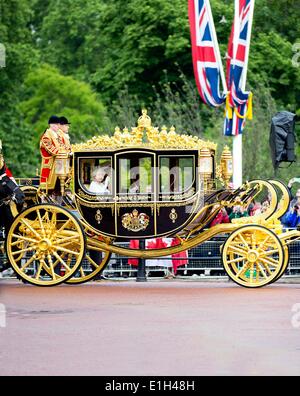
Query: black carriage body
[142, 193]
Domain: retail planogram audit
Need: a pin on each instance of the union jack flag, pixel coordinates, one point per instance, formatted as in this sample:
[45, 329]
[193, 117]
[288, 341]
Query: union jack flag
[207, 62]
[238, 53]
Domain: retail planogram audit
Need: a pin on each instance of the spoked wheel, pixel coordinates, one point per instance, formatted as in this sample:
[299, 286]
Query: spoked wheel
[45, 245]
[92, 265]
[253, 256]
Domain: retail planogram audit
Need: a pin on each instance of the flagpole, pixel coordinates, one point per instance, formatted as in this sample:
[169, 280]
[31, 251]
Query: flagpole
[238, 139]
[237, 148]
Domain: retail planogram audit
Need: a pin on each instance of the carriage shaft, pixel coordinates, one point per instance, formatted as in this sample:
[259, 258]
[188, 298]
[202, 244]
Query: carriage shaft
[185, 245]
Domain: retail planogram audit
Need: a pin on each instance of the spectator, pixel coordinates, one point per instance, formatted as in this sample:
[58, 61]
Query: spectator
[178, 259]
[265, 206]
[255, 209]
[221, 218]
[166, 262]
[292, 218]
[134, 244]
[295, 200]
[295, 197]
[244, 212]
[237, 213]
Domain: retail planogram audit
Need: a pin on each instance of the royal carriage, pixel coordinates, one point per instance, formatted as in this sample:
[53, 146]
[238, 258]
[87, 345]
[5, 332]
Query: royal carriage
[141, 184]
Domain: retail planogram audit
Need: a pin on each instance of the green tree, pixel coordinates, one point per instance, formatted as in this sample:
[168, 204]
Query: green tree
[16, 38]
[271, 64]
[133, 53]
[281, 17]
[69, 35]
[48, 92]
[20, 55]
[117, 44]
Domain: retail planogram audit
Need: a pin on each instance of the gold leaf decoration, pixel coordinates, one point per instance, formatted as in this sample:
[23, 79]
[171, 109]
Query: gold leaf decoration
[155, 138]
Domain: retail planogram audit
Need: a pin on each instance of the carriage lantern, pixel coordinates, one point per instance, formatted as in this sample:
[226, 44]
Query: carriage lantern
[226, 165]
[206, 168]
[62, 169]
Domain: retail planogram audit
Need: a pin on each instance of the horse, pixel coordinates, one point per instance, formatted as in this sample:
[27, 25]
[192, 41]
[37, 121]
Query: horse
[9, 192]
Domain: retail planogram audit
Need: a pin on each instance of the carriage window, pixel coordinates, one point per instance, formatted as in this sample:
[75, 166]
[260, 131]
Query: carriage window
[96, 175]
[135, 175]
[176, 174]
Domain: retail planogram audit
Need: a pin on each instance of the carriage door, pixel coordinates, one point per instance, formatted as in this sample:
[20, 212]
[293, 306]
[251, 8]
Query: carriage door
[135, 215]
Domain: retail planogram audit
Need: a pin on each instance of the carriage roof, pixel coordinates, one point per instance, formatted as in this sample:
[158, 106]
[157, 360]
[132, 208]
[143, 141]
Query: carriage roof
[145, 136]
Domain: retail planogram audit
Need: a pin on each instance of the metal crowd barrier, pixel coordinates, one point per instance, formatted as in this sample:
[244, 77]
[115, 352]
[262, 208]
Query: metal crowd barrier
[203, 261]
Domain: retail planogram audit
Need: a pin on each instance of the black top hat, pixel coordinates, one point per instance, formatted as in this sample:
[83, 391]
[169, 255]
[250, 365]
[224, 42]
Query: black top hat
[54, 120]
[64, 121]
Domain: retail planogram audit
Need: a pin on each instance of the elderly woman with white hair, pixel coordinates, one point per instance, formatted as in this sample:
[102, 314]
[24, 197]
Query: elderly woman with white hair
[100, 181]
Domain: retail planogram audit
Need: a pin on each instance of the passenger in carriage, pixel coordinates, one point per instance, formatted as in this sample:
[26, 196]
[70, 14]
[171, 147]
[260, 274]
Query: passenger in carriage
[101, 181]
[135, 187]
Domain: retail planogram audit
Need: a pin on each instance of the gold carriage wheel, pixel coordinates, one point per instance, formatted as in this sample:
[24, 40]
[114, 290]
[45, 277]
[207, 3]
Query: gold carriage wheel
[38, 242]
[253, 256]
[284, 266]
[83, 274]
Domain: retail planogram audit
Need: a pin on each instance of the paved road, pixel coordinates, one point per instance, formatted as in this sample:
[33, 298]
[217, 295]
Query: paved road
[158, 328]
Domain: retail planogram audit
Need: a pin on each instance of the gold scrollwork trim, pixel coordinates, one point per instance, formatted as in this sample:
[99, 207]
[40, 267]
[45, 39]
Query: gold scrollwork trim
[140, 205]
[95, 199]
[145, 135]
[99, 216]
[135, 198]
[178, 197]
[177, 204]
[173, 216]
[96, 205]
[25, 182]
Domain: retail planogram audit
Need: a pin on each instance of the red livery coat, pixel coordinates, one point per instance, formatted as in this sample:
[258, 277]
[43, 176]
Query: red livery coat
[50, 145]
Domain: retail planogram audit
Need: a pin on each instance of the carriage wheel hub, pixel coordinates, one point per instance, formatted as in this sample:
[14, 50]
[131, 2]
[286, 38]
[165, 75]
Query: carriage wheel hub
[44, 245]
[252, 256]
